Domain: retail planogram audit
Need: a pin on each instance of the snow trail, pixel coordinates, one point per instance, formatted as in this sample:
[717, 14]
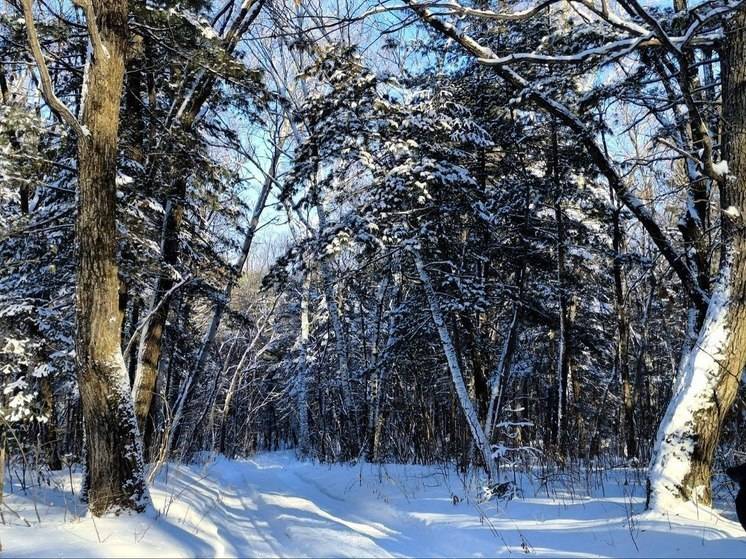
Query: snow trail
[275, 506]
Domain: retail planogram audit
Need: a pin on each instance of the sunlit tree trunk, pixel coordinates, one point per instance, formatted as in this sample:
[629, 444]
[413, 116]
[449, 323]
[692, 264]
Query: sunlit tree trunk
[462, 394]
[113, 447]
[304, 438]
[710, 373]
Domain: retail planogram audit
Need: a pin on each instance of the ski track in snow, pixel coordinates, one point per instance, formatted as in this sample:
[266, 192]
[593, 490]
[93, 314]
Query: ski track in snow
[273, 505]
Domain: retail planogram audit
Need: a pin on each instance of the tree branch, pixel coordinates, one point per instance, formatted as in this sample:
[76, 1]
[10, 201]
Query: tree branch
[99, 49]
[485, 55]
[47, 89]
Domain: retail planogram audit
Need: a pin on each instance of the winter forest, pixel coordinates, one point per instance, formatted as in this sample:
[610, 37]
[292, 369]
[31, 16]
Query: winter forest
[372, 277]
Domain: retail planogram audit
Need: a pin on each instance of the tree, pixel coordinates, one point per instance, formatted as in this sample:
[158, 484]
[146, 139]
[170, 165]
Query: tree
[113, 450]
[690, 431]
[710, 373]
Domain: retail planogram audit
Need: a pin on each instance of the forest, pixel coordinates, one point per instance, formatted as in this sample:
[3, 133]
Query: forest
[363, 277]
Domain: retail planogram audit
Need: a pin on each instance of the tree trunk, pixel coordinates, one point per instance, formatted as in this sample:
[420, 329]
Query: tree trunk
[220, 306]
[152, 336]
[2, 465]
[565, 320]
[304, 441]
[467, 406]
[149, 353]
[340, 340]
[114, 454]
[622, 346]
[642, 389]
[381, 368]
[499, 377]
[710, 373]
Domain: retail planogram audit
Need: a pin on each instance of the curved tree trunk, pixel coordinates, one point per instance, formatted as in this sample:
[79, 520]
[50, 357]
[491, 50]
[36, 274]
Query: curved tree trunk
[710, 374]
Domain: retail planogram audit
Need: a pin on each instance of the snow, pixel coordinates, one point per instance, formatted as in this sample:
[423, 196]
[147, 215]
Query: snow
[720, 168]
[273, 505]
[692, 394]
[123, 179]
[732, 211]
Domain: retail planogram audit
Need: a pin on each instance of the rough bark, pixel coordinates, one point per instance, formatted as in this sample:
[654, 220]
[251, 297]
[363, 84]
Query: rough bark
[113, 448]
[710, 373]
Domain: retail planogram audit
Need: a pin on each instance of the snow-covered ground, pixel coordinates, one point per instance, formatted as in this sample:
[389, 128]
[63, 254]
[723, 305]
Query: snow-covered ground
[274, 505]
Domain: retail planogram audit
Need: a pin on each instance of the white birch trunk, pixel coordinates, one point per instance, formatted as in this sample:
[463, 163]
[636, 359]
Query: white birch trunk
[498, 379]
[467, 407]
[303, 434]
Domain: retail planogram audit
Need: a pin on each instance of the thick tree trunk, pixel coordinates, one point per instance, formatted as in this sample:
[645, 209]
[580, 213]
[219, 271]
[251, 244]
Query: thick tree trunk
[710, 373]
[114, 453]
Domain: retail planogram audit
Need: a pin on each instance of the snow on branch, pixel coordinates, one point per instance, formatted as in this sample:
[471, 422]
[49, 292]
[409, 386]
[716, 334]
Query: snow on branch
[567, 117]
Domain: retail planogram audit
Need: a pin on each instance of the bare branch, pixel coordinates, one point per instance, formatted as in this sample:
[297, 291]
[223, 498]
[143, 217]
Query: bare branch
[99, 49]
[47, 89]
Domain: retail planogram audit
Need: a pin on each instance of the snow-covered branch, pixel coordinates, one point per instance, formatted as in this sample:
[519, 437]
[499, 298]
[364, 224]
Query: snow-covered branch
[567, 117]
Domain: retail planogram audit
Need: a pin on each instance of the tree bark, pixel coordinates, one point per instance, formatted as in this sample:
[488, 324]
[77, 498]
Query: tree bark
[149, 352]
[114, 454]
[502, 370]
[304, 439]
[623, 332]
[467, 406]
[565, 320]
[710, 373]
